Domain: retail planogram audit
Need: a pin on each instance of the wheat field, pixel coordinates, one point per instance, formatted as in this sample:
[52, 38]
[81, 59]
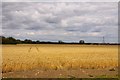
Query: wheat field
[24, 57]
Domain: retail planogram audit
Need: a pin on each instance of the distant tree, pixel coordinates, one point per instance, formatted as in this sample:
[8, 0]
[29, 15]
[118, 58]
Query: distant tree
[27, 41]
[18, 41]
[81, 41]
[1, 37]
[37, 42]
[60, 41]
[9, 40]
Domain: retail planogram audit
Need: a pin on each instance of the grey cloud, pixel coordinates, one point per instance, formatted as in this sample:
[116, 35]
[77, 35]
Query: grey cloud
[12, 26]
[61, 1]
[53, 21]
[36, 26]
[79, 28]
[97, 30]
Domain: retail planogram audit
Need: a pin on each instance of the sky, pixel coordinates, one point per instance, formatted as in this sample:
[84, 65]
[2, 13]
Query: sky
[66, 21]
[60, 0]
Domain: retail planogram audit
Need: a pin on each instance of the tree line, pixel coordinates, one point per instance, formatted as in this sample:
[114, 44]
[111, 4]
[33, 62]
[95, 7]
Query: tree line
[11, 40]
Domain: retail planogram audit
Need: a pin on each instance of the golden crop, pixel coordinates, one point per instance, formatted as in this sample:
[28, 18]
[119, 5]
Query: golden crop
[56, 56]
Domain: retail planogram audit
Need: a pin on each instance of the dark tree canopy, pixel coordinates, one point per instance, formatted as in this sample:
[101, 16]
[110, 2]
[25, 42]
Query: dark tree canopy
[81, 41]
[60, 41]
[9, 40]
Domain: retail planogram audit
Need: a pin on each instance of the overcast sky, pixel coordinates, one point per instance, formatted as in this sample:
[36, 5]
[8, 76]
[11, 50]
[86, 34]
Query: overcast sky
[60, 0]
[61, 21]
